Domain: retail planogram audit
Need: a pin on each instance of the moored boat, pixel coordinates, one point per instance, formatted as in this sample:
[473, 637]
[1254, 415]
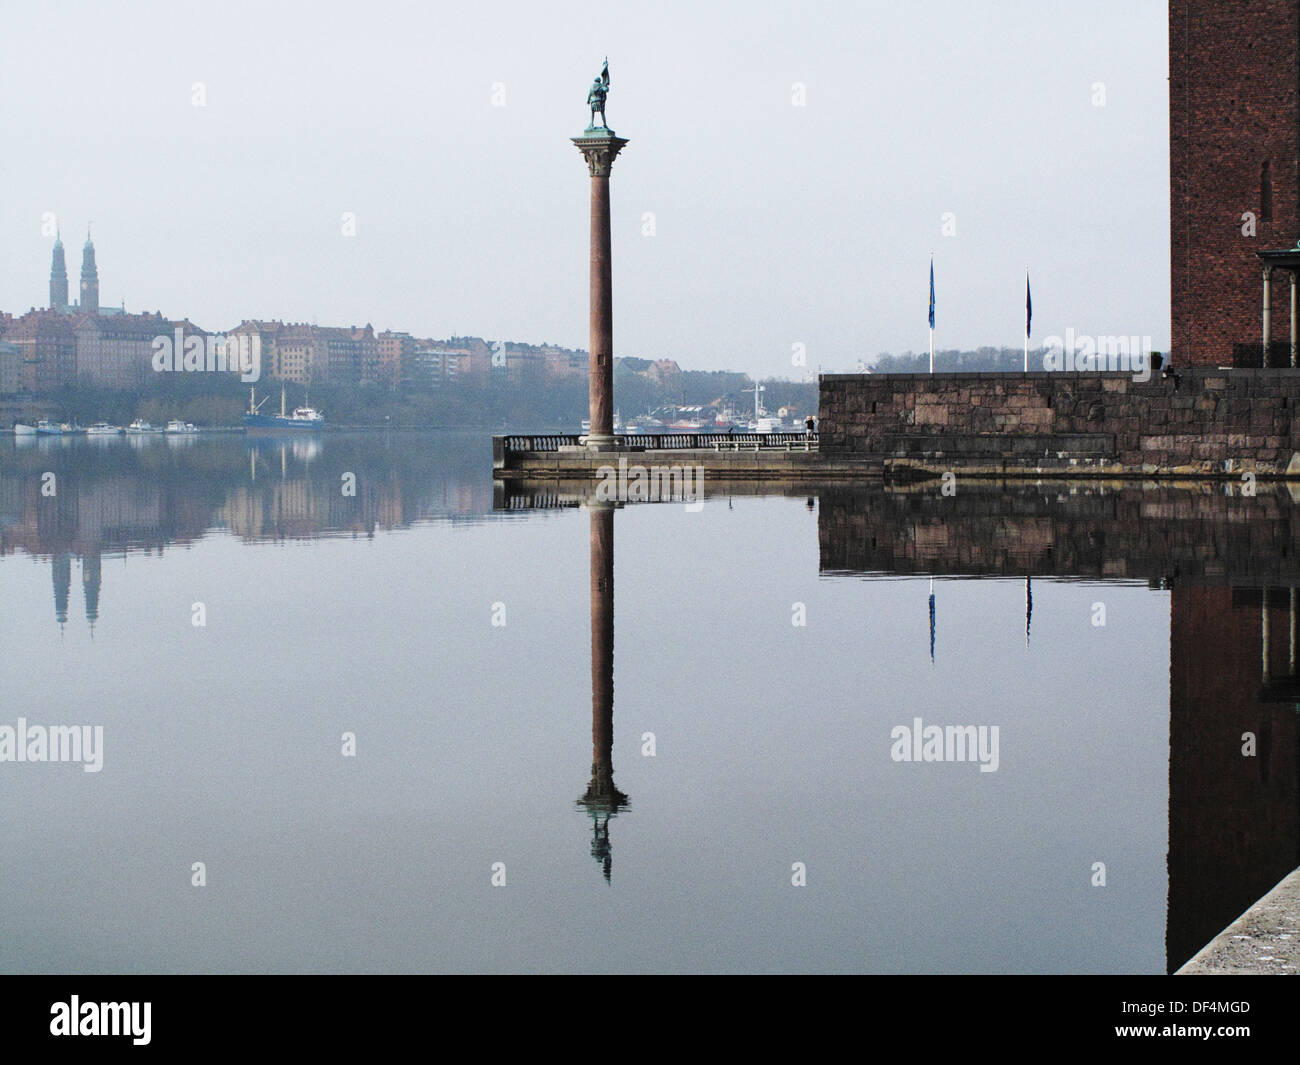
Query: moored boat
[22, 429]
[302, 418]
[140, 427]
[176, 426]
[45, 427]
[104, 429]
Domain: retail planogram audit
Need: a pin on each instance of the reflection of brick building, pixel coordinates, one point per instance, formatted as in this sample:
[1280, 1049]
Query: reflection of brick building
[1234, 829]
[1234, 127]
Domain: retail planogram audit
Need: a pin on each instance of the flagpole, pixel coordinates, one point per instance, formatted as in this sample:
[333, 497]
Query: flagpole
[1026, 319]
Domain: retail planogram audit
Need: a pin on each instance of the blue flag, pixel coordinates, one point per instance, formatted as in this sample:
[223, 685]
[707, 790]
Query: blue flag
[931, 293]
[1029, 305]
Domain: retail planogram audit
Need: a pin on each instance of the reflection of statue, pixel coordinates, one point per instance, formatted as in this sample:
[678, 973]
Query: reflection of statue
[602, 799]
[596, 97]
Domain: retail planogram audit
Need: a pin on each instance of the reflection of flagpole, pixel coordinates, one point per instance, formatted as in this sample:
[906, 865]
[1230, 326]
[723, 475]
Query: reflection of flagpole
[931, 621]
[932, 315]
[1029, 607]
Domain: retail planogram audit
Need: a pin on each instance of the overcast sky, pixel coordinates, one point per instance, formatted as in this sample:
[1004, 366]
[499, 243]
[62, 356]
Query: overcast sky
[774, 224]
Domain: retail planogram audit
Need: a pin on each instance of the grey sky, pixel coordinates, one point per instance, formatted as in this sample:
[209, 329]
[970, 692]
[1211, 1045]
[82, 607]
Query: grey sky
[775, 224]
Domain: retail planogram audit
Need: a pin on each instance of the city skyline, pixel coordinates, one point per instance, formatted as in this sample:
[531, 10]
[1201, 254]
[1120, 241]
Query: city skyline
[464, 211]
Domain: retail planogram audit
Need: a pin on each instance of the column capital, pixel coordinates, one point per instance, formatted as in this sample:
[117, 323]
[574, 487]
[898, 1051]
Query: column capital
[600, 148]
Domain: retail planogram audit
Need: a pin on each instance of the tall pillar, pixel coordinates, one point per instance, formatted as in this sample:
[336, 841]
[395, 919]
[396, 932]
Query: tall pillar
[1268, 277]
[600, 148]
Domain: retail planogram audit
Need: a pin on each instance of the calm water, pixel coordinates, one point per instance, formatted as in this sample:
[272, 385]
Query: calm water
[493, 675]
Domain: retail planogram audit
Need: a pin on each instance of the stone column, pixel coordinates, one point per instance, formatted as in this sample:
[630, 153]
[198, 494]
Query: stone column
[1268, 277]
[600, 148]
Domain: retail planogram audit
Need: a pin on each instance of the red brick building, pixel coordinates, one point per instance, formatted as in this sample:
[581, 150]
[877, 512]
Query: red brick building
[1234, 139]
[49, 349]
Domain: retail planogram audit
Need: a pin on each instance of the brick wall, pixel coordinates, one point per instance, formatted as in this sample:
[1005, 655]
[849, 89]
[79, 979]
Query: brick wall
[1234, 103]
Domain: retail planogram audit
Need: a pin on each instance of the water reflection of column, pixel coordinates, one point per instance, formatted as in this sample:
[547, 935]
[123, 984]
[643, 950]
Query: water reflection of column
[602, 799]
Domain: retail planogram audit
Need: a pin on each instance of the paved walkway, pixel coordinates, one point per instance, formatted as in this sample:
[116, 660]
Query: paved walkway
[1263, 940]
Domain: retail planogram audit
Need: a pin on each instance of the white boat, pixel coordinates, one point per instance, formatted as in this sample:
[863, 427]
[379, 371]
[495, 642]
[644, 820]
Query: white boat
[24, 430]
[177, 426]
[45, 427]
[104, 429]
[139, 426]
[763, 422]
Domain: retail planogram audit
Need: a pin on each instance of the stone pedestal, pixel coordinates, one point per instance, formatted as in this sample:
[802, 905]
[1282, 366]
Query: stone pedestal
[600, 148]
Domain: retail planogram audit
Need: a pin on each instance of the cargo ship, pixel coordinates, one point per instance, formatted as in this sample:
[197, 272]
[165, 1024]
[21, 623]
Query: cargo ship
[302, 418]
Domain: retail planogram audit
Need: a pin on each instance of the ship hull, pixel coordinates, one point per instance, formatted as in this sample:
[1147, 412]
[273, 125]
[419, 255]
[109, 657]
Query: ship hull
[274, 421]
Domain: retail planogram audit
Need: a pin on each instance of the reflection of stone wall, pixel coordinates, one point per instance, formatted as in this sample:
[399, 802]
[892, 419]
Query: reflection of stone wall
[1195, 533]
[1234, 822]
[978, 418]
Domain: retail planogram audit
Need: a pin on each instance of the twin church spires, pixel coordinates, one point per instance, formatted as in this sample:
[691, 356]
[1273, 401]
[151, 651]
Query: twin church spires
[89, 278]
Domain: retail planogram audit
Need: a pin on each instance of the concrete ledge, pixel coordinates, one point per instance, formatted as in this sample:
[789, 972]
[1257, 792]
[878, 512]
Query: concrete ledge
[766, 464]
[1263, 940]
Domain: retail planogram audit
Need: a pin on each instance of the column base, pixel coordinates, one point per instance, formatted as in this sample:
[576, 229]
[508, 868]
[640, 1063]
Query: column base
[601, 442]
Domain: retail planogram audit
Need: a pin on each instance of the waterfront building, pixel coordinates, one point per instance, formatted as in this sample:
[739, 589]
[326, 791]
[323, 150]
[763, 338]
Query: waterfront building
[1234, 156]
[11, 367]
[117, 351]
[394, 352]
[48, 349]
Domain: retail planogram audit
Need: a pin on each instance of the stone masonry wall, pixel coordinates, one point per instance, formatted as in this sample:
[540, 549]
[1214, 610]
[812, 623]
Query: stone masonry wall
[1219, 422]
